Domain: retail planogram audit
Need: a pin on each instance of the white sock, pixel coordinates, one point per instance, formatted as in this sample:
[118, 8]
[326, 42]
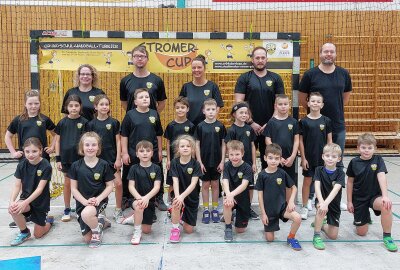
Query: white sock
[97, 229]
[175, 226]
[138, 227]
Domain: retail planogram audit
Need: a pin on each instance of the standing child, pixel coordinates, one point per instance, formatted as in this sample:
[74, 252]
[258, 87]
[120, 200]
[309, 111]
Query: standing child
[140, 123]
[315, 133]
[243, 132]
[69, 131]
[108, 129]
[91, 183]
[282, 129]
[235, 181]
[329, 182]
[33, 175]
[367, 188]
[272, 184]
[185, 171]
[144, 184]
[210, 152]
[179, 126]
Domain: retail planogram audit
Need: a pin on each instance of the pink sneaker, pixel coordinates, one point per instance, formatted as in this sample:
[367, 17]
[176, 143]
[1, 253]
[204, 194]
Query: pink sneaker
[175, 235]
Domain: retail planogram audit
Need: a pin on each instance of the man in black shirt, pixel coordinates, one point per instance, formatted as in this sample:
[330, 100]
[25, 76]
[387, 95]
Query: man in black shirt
[259, 87]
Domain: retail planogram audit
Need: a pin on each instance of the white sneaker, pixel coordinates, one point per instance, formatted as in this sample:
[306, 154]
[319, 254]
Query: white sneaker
[304, 213]
[118, 216]
[137, 235]
[128, 221]
[343, 206]
[67, 215]
[309, 205]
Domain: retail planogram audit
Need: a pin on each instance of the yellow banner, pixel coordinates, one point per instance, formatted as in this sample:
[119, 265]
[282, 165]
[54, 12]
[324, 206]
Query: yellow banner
[165, 55]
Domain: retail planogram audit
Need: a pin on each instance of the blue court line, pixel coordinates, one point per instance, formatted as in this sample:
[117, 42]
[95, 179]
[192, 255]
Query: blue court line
[391, 191]
[4, 178]
[4, 165]
[78, 245]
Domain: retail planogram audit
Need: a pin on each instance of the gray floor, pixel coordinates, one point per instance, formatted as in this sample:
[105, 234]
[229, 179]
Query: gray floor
[205, 249]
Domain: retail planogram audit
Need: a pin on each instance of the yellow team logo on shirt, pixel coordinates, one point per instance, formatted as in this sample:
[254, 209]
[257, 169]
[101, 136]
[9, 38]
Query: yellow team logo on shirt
[206, 92]
[373, 167]
[96, 176]
[38, 123]
[248, 133]
[189, 170]
[269, 83]
[152, 119]
[108, 126]
[39, 172]
[79, 125]
[217, 129]
[152, 175]
[279, 181]
[91, 98]
[186, 128]
[290, 126]
[149, 85]
[322, 127]
[240, 175]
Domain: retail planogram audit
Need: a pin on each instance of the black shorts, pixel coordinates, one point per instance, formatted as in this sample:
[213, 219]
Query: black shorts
[273, 222]
[362, 215]
[38, 216]
[242, 207]
[333, 215]
[66, 167]
[189, 215]
[169, 180]
[148, 213]
[84, 227]
[310, 172]
[211, 174]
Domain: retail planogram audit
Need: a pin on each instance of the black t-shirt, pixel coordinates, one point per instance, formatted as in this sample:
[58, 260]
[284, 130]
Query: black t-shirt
[260, 93]
[144, 177]
[87, 99]
[139, 126]
[107, 130]
[70, 132]
[210, 136]
[328, 181]
[30, 176]
[91, 181]
[365, 173]
[282, 132]
[274, 187]
[315, 135]
[32, 127]
[152, 83]
[196, 96]
[244, 134]
[175, 129]
[331, 86]
[236, 175]
[184, 173]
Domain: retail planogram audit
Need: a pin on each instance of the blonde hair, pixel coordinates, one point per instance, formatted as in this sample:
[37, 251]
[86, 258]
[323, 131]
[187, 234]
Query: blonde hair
[332, 148]
[366, 138]
[93, 70]
[30, 93]
[210, 102]
[188, 138]
[235, 146]
[90, 134]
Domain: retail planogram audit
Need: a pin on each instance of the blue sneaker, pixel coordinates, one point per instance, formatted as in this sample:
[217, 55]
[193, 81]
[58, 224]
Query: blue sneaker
[293, 243]
[215, 216]
[206, 217]
[20, 238]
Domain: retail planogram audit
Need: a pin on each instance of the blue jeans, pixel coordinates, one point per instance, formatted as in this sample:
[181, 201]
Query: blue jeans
[340, 139]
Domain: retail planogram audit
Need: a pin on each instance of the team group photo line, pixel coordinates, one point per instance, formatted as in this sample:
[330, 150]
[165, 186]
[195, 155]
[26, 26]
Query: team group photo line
[98, 155]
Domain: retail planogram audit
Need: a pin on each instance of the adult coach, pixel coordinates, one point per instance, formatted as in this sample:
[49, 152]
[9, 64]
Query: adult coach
[258, 88]
[142, 78]
[334, 84]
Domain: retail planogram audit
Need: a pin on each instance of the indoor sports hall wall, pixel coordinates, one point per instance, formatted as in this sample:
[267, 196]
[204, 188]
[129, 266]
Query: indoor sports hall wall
[367, 45]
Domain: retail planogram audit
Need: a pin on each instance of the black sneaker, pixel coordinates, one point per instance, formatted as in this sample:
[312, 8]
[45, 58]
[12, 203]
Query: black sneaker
[228, 235]
[253, 215]
[14, 225]
[161, 204]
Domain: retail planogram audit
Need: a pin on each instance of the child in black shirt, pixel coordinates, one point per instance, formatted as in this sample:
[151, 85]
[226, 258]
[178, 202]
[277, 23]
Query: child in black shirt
[367, 188]
[210, 152]
[144, 183]
[329, 182]
[33, 175]
[235, 180]
[69, 131]
[91, 183]
[271, 185]
[185, 171]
